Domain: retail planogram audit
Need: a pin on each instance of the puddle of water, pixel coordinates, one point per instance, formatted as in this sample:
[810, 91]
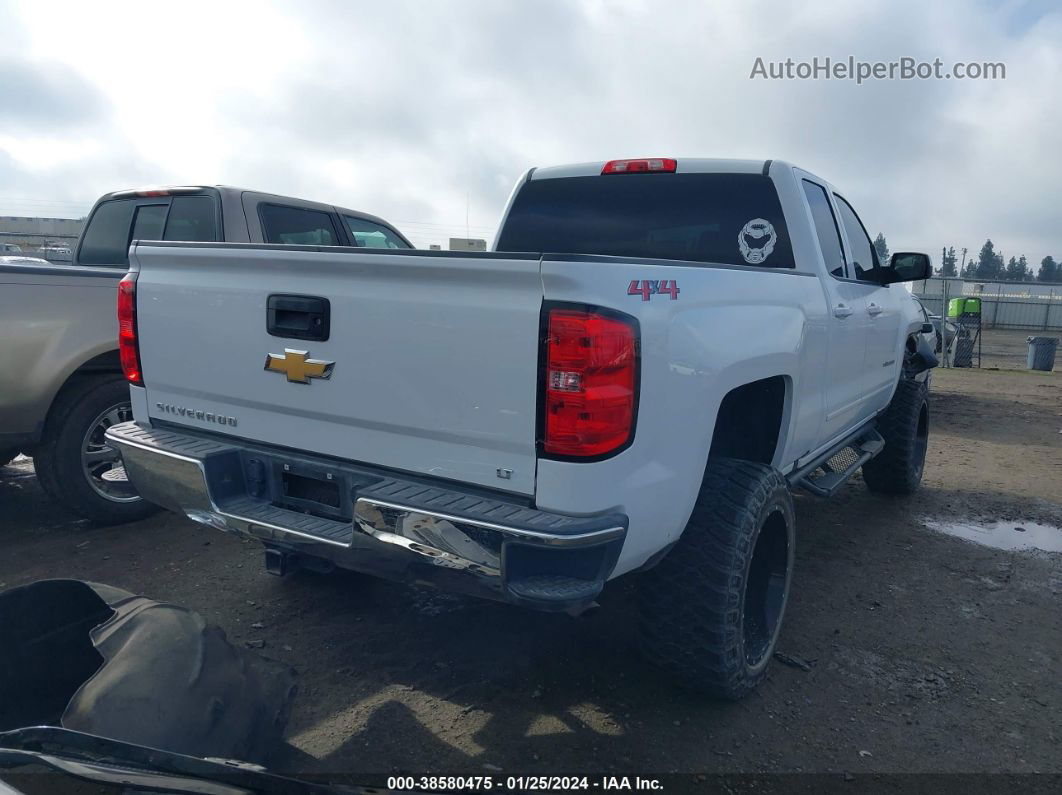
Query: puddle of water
[1015, 536]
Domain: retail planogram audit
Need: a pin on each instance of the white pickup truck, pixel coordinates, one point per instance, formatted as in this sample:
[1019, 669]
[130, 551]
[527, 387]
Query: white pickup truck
[653, 356]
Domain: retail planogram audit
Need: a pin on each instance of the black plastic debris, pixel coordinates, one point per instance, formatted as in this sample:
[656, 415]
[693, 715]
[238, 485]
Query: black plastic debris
[101, 660]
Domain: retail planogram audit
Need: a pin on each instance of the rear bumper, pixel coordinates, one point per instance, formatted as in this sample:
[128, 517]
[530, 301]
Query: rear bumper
[411, 530]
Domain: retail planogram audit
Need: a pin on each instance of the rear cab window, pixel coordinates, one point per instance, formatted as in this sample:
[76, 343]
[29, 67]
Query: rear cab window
[148, 221]
[106, 238]
[728, 219]
[191, 218]
[115, 223]
[283, 223]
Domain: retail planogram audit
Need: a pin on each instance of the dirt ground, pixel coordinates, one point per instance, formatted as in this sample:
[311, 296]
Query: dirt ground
[928, 653]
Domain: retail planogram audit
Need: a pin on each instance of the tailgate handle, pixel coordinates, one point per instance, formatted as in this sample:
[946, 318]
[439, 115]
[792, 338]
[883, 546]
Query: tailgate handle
[301, 317]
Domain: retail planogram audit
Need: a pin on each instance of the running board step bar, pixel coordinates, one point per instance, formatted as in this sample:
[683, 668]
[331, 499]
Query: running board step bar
[825, 476]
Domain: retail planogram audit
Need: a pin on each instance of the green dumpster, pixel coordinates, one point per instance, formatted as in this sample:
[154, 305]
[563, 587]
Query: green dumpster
[955, 307]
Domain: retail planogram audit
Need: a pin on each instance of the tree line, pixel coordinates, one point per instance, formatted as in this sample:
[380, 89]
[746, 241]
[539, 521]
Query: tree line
[987, 265]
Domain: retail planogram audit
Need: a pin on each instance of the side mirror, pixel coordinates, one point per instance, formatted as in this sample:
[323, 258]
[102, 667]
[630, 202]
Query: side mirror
[927, 328]
[907, 266]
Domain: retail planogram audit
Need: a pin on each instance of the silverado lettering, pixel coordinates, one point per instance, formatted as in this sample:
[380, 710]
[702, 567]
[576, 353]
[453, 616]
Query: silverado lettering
[207, 416]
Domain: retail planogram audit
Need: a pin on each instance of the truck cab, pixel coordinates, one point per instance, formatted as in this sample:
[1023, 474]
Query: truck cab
[221, 213]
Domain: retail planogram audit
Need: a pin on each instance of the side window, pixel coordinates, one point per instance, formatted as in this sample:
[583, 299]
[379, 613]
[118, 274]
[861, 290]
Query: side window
[366, 233]
[864, 257]
[191, 218]
[106, 239]
[825, 228]
[297, 225]
[148, 221]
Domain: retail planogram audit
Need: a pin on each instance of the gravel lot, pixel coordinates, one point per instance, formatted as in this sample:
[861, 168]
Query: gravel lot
[928, 653]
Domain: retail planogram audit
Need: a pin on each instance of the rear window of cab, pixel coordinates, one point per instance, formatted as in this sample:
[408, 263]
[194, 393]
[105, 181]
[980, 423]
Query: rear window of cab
[729, 219]
[115, 223]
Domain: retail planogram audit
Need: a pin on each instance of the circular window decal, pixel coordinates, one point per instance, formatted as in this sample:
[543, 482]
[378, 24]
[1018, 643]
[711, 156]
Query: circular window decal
[756, 240]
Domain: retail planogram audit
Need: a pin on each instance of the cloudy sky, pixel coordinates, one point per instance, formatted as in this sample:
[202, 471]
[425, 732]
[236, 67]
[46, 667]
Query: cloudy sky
[426, 112]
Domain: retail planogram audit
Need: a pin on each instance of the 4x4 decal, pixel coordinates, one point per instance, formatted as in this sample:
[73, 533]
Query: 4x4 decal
[647, 288]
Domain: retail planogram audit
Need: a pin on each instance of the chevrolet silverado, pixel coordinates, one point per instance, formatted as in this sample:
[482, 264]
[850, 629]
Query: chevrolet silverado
[654, 355]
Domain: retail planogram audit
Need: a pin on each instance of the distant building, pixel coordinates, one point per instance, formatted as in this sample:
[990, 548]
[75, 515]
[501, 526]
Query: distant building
[467, 244]
[56, 236]
[434, 247]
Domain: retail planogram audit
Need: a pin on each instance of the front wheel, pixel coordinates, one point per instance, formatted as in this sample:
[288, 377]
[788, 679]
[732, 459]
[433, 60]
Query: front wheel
[712, 609]
[76, 465]
[904, 426]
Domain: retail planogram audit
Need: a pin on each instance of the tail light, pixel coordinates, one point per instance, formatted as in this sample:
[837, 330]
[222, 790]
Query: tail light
[591, 382]
[665, 165]
[128, 348]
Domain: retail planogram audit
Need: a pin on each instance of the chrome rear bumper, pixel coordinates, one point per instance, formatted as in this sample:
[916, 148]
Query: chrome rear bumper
[413, 530]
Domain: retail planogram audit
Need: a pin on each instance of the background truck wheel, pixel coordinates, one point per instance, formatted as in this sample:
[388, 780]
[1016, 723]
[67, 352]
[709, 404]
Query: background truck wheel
[74, 463]
[905, 427]
[711, 610]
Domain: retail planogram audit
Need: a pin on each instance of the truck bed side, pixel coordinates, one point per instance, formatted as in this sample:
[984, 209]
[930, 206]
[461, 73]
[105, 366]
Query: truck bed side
[53, 319]
[728, 326]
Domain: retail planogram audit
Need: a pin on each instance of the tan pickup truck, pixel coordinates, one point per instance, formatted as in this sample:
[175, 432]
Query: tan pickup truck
[61, 383]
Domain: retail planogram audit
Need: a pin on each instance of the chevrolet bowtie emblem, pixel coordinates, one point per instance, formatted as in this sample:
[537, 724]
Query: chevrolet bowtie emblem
[297, 367]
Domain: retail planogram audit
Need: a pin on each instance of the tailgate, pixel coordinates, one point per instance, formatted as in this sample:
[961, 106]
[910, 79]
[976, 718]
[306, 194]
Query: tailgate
[433, 357]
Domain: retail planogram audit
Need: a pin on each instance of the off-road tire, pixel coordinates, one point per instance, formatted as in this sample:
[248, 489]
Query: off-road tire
[904, 425]
[57, 460]
[940, 342]
[693, 604]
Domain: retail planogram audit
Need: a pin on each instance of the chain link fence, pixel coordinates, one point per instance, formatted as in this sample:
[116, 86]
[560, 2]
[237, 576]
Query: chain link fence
[1004, 305]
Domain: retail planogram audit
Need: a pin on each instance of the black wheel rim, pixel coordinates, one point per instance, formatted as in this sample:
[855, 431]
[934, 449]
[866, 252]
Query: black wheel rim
[765, 588]
[101, 463]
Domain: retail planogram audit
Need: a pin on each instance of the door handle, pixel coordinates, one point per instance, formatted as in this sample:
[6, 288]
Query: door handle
[873, 308]
[842, 310]
[300, 317]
